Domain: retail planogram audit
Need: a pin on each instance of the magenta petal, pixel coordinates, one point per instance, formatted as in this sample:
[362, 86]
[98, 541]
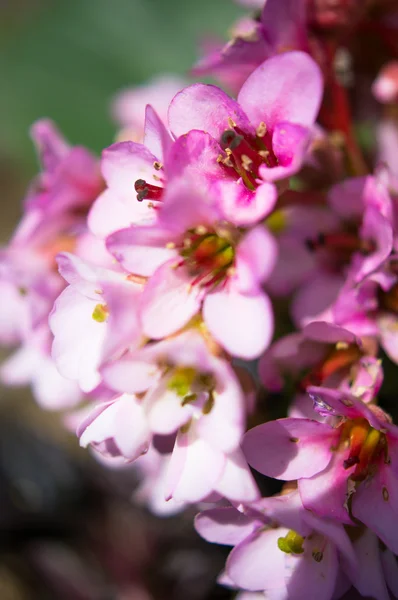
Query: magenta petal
[257, 563]
[289, 448]
[289, 143]
[51, 146]
[241, 206]
[286, 87]
[225, 525]
[168, 301]
[252, 314]
[205, 107]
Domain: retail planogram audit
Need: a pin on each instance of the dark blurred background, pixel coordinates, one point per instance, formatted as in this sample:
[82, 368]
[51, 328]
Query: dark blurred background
[68, 530]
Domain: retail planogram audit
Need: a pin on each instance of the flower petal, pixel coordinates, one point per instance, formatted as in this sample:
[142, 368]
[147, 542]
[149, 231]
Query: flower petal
[286, 87]
[252, 315]
[205, 107]
[168, 301]
[289, 448]
[225, 525]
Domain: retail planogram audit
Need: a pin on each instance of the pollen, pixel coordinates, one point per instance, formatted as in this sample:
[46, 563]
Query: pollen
[261, 130]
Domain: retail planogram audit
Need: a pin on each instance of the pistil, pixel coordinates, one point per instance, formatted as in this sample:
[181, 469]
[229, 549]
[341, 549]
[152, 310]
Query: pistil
[147, 191]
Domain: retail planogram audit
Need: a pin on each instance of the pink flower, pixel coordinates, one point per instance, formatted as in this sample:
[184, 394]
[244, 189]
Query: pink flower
[357, 247]
[177, 387]
[70, 179]
[280, 27]
[280, 548]
[347, 467]
[370, 309]
[323, 351]
[94, 319]
[132, 171]
[196, 260]
[266, 132]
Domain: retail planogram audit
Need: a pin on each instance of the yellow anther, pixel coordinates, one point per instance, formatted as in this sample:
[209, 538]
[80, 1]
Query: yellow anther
[100, 313]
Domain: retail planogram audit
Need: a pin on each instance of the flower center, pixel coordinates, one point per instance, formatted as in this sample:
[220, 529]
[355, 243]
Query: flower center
[244, 154]
[208, 256]
[366, 445]
[340, 358]
[191, 386]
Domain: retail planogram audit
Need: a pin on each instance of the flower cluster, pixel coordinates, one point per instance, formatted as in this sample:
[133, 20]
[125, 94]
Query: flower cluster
[141, 287]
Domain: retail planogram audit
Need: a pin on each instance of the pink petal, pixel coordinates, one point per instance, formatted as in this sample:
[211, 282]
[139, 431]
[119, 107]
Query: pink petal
[327, 492]
[205, 107]
[122, 421]
[242, 206]
[109, 214]
[376, 503]
[253, 318]
[237, 483]
[225, 526]
[157, 139]
[168, 301]
[378, 229]
[369, 579]
[286, 87]
[289, 448]
[314, 300]
[322, 331]
[334, 402]
[194, 469]
[51, 146]
[78, 338]
[289, 143]
[255, 258]
[125, 162]
[129, 375]
[141, 250]
[309, 578]
[224, 425]
[195, 154]
[257, 563]
[166, 414]
[390, 568]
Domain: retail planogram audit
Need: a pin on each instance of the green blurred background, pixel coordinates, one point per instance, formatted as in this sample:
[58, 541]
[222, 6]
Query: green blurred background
[65, 59]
